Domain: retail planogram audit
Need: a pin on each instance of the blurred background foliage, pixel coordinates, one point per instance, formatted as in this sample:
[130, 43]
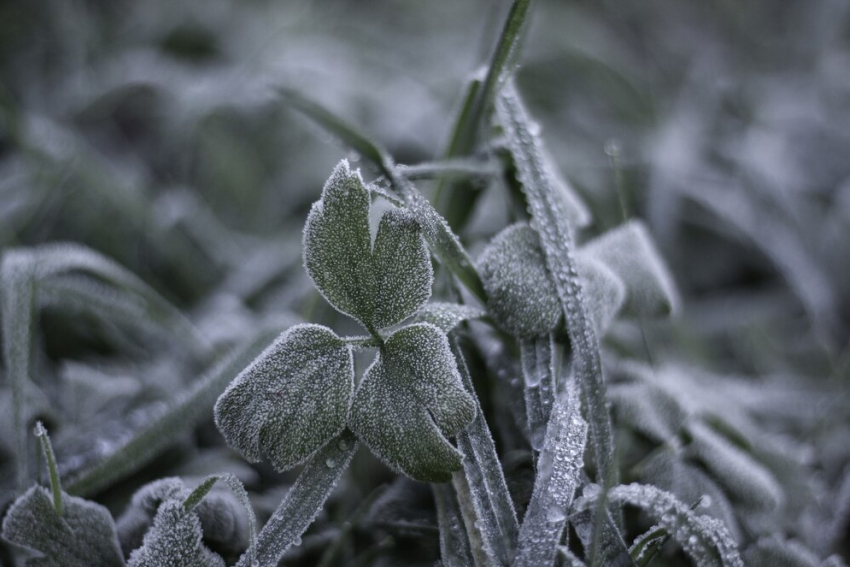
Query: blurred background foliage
[153, 132]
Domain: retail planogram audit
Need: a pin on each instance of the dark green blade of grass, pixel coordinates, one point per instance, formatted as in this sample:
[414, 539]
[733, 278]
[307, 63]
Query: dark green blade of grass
[456, 200]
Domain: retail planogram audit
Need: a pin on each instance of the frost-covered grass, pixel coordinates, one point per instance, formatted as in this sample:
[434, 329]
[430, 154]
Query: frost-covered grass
[338, 283]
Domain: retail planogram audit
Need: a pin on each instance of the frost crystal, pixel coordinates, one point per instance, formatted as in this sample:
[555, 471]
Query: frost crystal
[379, 285]
[291, 400]
[409, 400]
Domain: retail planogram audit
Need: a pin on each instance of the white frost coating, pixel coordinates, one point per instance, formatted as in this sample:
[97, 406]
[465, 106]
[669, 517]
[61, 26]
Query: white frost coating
[629, 251]
[559, 467]
[380, 285]
[83, 536]
[409, 400]
[291, 400]
[447, 316]
[521, 296]
[454, 544]
[742, 476]
[556, 241]
[703, 538]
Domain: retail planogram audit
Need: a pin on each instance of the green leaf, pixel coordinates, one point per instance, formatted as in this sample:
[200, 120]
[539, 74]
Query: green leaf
[175, 539]
[630, 253]
[83, 536]
[381, 285]
[521, 296]
[291, 400]
[409, 400]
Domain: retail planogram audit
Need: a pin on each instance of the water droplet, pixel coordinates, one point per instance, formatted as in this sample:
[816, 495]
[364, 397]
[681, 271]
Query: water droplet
[705, 501]
[330, 462]
[555, 514]
[343, 444]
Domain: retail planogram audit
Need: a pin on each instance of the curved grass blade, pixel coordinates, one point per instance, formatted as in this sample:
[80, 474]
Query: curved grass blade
[443, 242]
[303, 501]
[556, 239]
[497, 521]
[189, 408]
[455, 200]
[703, 538]
[238, 490]
[558, 476]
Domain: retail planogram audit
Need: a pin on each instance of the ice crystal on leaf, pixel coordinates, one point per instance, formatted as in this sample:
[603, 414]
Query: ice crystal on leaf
[410, 399]
[305, 377]
[378, 285]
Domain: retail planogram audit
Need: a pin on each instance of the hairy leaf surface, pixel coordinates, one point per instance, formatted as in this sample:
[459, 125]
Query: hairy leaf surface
[410, 399]
[380, 286]
[291, 400]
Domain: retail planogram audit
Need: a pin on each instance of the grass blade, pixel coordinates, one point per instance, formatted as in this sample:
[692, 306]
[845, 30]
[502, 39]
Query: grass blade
[303, 501]
[443, 242]
[497, 520]
[456, 200]
[17, 287]
[189, 408]
[454, 545]
[558, 476]
[556, 239]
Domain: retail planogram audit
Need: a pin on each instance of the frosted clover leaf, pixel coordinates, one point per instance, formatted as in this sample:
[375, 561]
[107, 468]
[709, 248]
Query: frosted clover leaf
[297, 396]
[378, 285]
[291, 400]
[409, 400]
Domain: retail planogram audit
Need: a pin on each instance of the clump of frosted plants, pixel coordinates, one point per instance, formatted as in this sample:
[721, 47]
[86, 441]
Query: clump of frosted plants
[411, 397]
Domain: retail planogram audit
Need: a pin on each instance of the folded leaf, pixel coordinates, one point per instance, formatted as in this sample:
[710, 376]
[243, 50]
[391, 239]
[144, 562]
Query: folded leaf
[381, 285]
[521, 295]
[291, 400]
[409, 400]
[83, 536]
